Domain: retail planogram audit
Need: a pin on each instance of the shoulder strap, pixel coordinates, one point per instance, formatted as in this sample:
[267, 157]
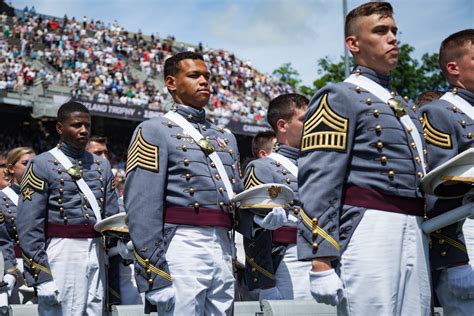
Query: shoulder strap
[11, 195]
[82, 185]
[194, 133]
[290, 166]
[382, 93]
[459, 102]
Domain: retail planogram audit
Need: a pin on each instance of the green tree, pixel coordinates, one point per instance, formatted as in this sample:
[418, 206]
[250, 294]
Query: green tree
[287, 74]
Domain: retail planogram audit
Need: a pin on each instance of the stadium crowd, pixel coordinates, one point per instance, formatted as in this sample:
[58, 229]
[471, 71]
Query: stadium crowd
[107, 64]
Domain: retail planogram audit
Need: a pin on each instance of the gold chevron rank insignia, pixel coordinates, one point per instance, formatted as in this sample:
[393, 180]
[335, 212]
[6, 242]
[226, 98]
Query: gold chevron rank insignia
[142, 154]
[325, 129]
[434, 136]
[251, 180]
[31, 180]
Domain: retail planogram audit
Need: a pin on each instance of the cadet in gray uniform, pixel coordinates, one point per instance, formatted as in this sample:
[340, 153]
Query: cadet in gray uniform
[360, 167]
[16, 162]
[272, 264]
[64, 192]
[181, 172]
[448, 124]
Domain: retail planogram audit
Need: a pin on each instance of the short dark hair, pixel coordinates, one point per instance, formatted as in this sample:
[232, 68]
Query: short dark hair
[172, 64]
[427, 97]
[262, 140]
[98, 139]
[70, 107]
[382, 8]
[453, 47]
[283, 107]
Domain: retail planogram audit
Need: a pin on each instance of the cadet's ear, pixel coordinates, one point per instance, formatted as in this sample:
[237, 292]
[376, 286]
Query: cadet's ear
[352, 44]
[452, 68]
[59, 128]
[281, 126]
[170, 82]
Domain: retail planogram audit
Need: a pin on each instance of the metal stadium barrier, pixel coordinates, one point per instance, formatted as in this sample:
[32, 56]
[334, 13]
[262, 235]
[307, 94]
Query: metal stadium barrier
[270, 308]
[24, 310]
[297, 308]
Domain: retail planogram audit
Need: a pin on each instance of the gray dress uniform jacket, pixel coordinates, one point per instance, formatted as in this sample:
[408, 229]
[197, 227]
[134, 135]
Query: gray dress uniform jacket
[9, 242]
[448, 132]
[51, 204]
[167, 169]
[262, 255]
[353, 142]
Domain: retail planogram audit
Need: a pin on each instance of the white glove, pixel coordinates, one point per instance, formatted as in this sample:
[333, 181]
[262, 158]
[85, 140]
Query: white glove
[123, 251]
[269, 294]
[48, 293]
[163, 298]
[273, 220]
[326, 287]
[461, 281]
[10, 279]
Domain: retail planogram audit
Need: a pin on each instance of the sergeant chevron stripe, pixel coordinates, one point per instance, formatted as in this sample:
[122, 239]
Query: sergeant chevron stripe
[434, 136]
[142, 154]
[252, 180]
[32, 180]
[325, 129]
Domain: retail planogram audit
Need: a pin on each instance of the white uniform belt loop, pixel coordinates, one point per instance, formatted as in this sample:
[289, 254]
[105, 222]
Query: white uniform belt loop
[287, 163]
[83, 187]
[11, 195]
[460, 103]
[189, 129]
[383, 94]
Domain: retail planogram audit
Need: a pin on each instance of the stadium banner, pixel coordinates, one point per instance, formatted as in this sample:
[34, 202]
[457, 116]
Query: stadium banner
[245, 128]
[120, 111]
[136, 113]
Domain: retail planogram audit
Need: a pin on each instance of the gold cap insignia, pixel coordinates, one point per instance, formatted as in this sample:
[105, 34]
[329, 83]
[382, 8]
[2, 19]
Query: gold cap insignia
[274, 191]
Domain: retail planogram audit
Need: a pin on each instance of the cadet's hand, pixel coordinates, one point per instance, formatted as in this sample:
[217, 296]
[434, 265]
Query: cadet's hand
[48, 293]
[163, 298]
[326, 287]
[461, 281]
[10, 279]
[124, 251]
[273, 220]
[269, 294]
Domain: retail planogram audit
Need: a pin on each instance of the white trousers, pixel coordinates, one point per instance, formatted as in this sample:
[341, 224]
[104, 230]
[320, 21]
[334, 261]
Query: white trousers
[385, 268]
[291, 277]
[77, 266]
[453, 305]
[200, 263]
[468, 229]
